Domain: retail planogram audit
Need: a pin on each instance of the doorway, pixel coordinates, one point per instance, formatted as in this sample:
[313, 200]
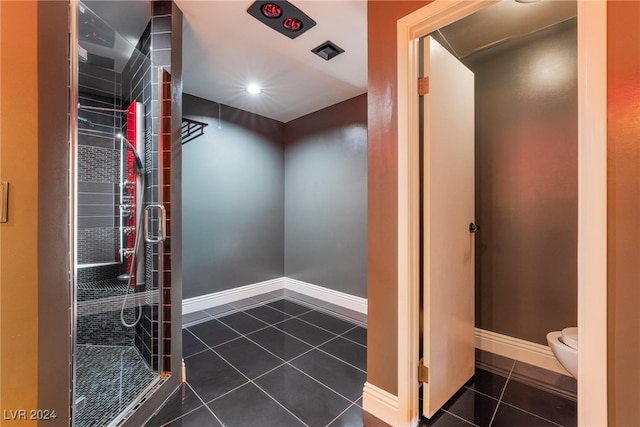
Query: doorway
[592, 406]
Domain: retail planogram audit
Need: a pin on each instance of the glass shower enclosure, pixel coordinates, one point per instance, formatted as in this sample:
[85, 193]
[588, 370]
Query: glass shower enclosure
[119, 224]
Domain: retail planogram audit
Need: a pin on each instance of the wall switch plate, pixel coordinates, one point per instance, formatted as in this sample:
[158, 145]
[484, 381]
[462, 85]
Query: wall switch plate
[4, 200]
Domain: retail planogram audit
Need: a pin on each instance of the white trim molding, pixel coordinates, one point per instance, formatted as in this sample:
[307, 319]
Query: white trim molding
[524, 351]
[342, 299]
[381, 404]
[592, 213]
[592, 201]
[409, 30]
[331, 296]
[203, 302]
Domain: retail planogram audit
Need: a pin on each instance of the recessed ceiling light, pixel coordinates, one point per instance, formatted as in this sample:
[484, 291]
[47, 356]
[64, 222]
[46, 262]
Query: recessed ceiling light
[254, 89]
[292, 24]
[271, 10]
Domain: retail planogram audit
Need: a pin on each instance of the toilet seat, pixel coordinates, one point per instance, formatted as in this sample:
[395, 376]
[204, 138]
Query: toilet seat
[570, 337]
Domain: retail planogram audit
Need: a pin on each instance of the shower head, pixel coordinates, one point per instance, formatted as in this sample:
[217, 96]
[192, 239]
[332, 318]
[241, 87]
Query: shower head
[138, 160]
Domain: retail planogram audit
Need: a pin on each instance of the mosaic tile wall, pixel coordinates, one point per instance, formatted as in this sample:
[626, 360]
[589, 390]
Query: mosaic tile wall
[99, 175]
[98, 245]
[92, 274]
[99, 294]
[98, 164]
[104, 327]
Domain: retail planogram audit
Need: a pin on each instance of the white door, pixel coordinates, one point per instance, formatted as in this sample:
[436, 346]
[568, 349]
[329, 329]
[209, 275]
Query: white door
[449, 208]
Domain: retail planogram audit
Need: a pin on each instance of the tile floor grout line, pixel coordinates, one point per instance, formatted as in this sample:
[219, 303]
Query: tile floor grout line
[205, 404]
[266, 325]
[313, 347]
[313, 324]
[324, 385]
[252, 381]
[314, 307]
[264, 348]
[287, 362]
[504, 388]
[317, 347]
[341, 413]
[481, 393]
[349, 339]
[181, 416]
[258, 344]
[460, 418]
[270, 324]
[276, 400]
[189, 412]
[531, 413]
[300, 355]
[241, 335]
[336, 357]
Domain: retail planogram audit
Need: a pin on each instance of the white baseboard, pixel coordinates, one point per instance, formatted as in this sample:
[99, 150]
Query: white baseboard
[381, 404]
[203, 302]
[341, 299]
[521, 350]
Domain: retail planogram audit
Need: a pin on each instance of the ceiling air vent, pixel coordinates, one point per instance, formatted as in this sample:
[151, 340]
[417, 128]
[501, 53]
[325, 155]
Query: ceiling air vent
[327, 50]
[282, 16]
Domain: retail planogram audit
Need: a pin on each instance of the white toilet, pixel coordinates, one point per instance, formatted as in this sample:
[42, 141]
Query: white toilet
[564, 345]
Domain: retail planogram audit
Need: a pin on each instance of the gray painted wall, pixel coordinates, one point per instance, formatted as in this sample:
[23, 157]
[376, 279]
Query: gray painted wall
[255, 208]
[326, 197]
[526, 184]
[233, 200]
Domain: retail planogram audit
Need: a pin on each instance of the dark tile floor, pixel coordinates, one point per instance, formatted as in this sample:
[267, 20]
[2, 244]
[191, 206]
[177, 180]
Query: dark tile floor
[507, 393]
[108, 379]
[273, 360]
[284, 359]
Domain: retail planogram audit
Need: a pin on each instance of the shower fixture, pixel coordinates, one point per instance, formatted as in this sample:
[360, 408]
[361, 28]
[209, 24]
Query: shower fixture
[138, 160]
[126, 252]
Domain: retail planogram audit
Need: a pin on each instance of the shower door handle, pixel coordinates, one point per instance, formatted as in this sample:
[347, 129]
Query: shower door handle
[162, 224]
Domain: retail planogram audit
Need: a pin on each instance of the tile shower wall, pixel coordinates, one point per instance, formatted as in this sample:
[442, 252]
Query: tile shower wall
[137, 87]
[98, 166]
[141, 84]
[158, 257]
[99, 322]
[98, 198]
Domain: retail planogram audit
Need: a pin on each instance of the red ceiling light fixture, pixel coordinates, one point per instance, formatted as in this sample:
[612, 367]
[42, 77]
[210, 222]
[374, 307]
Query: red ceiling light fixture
[292, 24]
[281, 16]
[271, 10]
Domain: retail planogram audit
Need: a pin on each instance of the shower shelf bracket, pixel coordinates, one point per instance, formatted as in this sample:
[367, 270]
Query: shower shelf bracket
[192, 129]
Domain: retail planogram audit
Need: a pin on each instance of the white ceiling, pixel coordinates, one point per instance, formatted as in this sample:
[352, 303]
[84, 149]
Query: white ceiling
[225, 48]
[502, 22]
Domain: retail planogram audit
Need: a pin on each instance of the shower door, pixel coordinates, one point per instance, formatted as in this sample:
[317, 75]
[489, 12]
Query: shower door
[119, 226]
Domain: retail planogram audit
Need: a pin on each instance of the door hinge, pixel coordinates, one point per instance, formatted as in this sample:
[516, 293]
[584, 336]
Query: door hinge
[423, 374]
[423, 86]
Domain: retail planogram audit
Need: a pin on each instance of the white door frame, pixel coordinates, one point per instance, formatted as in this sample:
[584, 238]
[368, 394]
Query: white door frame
[592, 202]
